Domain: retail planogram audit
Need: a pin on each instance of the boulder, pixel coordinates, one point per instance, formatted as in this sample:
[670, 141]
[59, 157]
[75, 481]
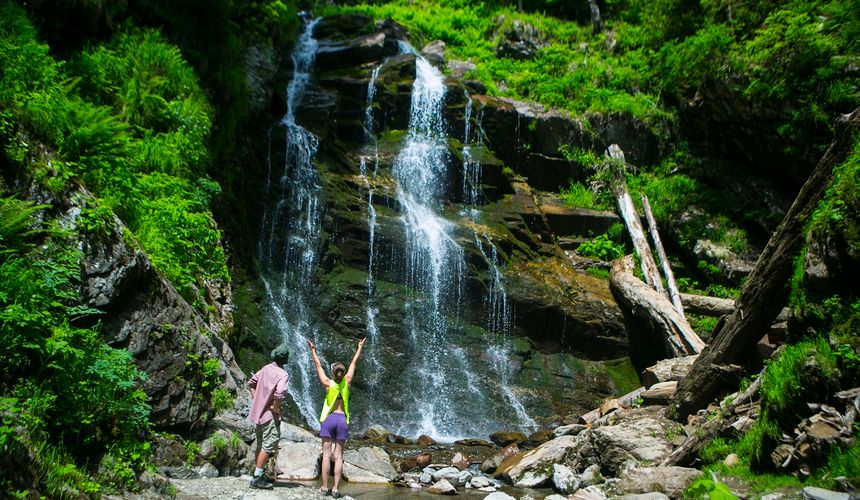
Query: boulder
[535, 467]
[464, 477]
[418, 461]
[442, 487]
[660, 393]
[458, 69]
[449, 473]
[564, 480]
[669, 480]
[504, 438]
[491, 464]
[298, 461]
[645, 496]
[591, 476]
[434, 52]
[368, 465]
[459, 461]
[518, 40]
[667, 370]
[362, 49]
[425, 440]
[639, 434]
[377, 434]
[479, 482]
[474, 442]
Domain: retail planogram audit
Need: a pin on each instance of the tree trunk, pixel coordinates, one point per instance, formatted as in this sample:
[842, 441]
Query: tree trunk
[667, 269]
[766, 289]
[653, 309]
[634, 227]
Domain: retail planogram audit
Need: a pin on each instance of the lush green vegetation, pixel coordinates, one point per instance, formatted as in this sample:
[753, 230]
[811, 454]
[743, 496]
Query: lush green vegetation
[67, 396]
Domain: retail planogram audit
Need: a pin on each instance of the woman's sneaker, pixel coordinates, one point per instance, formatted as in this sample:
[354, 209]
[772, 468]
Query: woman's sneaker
[260, 482]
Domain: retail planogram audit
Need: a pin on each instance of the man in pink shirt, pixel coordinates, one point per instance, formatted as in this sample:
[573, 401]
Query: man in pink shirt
[268, 387]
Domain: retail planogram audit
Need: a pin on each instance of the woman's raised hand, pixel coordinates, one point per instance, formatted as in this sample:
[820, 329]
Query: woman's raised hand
[311, 345]
[361, 342]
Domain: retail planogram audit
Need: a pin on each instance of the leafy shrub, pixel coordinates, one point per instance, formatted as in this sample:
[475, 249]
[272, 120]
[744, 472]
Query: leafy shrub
[601, 247]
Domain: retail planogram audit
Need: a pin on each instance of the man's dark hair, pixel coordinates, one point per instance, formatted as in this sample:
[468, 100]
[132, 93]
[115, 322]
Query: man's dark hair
[281, 354]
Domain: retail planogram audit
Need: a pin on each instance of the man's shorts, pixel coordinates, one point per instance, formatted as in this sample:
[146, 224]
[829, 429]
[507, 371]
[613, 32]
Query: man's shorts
[268, 435]
[335, 427]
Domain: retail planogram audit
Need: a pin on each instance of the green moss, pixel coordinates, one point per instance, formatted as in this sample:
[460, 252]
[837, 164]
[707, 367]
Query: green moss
[623, 374]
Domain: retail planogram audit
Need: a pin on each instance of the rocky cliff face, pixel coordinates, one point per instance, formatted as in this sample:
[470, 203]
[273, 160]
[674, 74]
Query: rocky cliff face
[181, 351]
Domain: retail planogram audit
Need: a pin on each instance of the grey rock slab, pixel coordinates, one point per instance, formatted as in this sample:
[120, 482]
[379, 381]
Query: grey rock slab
[654, 495]
[298, 461]
[498, 495]
[591, 476]
[569, 430]
[449, 473]
[534, 467]
[295, 434]
[369, 464]
[813, 493]
[589, 493]
[442, 487]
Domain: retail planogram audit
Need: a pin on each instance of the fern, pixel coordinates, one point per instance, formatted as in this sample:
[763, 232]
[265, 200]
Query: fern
[16, 224]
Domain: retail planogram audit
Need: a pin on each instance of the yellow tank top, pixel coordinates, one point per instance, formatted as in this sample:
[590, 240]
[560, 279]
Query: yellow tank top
[342, 390]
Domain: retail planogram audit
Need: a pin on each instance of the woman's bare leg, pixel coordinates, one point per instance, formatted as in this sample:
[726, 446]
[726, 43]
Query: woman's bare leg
[326, 458]
[338, 463]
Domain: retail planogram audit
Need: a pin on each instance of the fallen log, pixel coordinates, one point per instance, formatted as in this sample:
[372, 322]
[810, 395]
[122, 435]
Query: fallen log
[654, 309]
[766, 289]
[689, 450]
[634, 226]
[716, 306]
[664, 260]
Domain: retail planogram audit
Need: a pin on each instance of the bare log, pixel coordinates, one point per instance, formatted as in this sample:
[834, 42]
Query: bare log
[667, 269]
[654, 308]
[689, 450]
[634, 227]
[717, 306]
[766, 289]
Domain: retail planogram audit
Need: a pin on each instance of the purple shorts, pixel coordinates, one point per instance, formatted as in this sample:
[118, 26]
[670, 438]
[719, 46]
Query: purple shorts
[335, 427]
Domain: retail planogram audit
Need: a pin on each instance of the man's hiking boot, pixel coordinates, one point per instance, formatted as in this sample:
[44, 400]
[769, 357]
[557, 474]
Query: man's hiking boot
[260, 483]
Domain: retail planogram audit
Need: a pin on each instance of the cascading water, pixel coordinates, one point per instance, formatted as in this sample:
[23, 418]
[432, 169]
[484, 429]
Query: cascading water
[289, 241]
[443, 388]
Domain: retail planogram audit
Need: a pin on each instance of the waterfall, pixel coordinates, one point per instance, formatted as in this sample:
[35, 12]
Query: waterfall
[443, 386]
[289, 238]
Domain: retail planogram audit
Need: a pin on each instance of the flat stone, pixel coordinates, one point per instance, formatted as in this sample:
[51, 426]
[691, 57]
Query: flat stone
[589, 493]
[532, 468]
[498, 495]
[660, 393]
[569, 430]
[667, 370]
[298, 461]
[813, 493]
[368, 465]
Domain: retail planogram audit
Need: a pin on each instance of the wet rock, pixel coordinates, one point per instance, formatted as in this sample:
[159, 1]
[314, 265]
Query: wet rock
[368, 465]
[442, 487]
[425, 440]
[669, 480]
[459, 461]
[426, 477]
[504, 438]
[418, 461]
[449, 473]
[464, 478]
[363, 49]
[377, 434]
[667, 370]
[493, 463]
[474, 442]
[479, 482]
[498, 495]
[563, 479]
[660, 393]
[434, 52]
[534, 468]
[541, 437]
